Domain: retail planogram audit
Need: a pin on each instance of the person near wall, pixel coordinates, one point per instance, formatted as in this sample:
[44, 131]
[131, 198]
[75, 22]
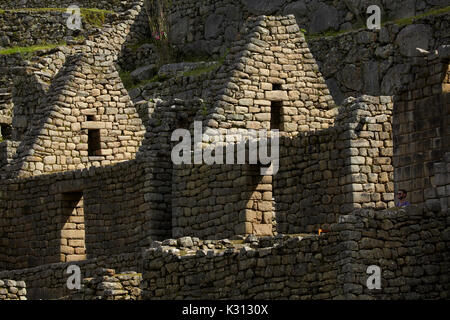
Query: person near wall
[401, 197]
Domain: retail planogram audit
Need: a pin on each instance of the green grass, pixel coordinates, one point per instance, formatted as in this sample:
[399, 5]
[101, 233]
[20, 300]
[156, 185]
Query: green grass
[126, 79]
[1, 139]
[30, 49]
[410, 20]
[92, 16]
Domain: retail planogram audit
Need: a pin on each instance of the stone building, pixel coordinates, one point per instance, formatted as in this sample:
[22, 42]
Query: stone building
[87, 175]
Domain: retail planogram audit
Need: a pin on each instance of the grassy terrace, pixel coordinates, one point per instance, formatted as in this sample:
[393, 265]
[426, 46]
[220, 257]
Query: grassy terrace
[401, 22]
[29, 49]
[93, 16]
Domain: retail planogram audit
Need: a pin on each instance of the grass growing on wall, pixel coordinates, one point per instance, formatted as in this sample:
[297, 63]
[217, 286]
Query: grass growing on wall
[433, 12]
[29, 49]
[401, 22]
[92, 16]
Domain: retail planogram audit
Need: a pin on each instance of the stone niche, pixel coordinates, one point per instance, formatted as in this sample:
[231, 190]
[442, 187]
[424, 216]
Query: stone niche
[73, 247]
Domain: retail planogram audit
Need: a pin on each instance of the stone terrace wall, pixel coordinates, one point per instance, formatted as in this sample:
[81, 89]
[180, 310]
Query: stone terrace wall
[12, 290]
[376, 63]
[421, 129]
[113, 5]
[333, 171]
[283, 268]
[410, 246]
[210, 26]
[108, 285]
[50, 281]
[34, 28]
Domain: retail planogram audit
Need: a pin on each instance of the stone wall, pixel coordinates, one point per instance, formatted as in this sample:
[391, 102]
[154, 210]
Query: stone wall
[12, 290]
[333, 171]
[421, 130]
[49, 281]
[408, 245]
[108, 285]
[42, 223]
[113, 5]
[86, 118]
[28, 28]
[221, 201]
[210, 26]
[376, 63]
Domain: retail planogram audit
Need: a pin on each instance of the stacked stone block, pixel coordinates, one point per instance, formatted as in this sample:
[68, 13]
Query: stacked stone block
[87, 94]
[410, 246]
[27, 28]
[376, 62]
[108, 285]
[421, 125]
[12, 290]
[49, 281]
[211, 26]
[114, 5]
[330, 172]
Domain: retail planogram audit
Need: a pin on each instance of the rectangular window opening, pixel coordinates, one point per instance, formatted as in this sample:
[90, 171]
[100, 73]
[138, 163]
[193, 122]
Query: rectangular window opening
[94, 145]
[276, 115]
[276, 86]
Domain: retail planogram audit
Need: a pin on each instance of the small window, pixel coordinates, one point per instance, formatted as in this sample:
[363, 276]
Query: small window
[90, 118]
[94, 146]
[5, 131]
[276, 86]
[275, 115]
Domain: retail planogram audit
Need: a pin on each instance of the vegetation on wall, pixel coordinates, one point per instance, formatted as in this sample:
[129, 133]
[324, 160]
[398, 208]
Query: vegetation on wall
[29, 49]
[401, 22]
[92, 16]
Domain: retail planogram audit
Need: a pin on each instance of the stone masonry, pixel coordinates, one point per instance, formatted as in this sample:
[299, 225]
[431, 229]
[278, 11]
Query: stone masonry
[87, 176]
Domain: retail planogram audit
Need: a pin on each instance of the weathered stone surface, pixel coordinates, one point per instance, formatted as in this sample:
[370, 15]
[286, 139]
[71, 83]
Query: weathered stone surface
[213, 26]
[143, 73]
[413, 37]
[323, 19]
[258, 7]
